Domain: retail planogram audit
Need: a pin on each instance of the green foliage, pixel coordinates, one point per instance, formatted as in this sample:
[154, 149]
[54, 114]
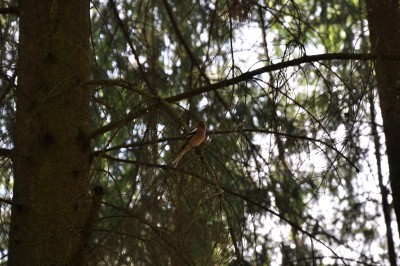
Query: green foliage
[279, 145]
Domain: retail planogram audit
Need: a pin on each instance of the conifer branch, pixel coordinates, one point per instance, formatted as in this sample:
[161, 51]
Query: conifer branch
[278, 66]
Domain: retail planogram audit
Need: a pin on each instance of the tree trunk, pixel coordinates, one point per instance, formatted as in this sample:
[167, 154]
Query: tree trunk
[51, 159]
[384, 27]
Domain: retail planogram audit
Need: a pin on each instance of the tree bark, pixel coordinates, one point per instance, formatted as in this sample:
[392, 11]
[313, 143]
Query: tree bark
[386, 208]
[51, 159]
[384, 27]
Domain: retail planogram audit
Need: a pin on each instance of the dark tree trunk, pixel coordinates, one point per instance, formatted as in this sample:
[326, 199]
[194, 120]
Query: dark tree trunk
[51, 159]
[384, 26]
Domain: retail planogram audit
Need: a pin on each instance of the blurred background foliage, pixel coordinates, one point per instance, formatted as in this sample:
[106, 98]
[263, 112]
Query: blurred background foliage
[275, 182]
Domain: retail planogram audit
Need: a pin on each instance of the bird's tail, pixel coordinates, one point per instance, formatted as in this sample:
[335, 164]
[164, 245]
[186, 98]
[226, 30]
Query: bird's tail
[179, 157]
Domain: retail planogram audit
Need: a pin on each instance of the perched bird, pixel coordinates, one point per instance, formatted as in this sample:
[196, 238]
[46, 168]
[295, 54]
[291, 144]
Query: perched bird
[194, 139]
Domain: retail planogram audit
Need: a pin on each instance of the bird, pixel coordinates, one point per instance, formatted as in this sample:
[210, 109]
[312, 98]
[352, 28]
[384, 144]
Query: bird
[194, 139]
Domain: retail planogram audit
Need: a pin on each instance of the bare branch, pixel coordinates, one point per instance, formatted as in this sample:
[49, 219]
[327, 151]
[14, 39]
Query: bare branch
[7, 201]
[254, 130]
[11, 84]
[295, 62]
[263, 205]
[5, 152]
[129, 117]
[306, 138]
[183, 41]
[129, 41]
